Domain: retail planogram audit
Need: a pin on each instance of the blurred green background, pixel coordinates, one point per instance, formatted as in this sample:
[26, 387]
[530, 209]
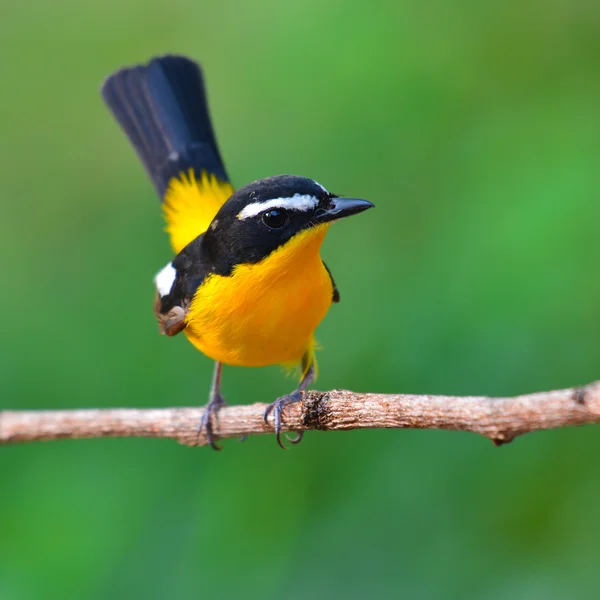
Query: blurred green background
[474, 127]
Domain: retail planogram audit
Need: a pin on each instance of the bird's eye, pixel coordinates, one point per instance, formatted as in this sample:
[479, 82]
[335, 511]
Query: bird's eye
[275, 219]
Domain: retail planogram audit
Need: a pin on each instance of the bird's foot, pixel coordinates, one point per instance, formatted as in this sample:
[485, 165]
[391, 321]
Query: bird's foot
[277, 408]
[206, 422]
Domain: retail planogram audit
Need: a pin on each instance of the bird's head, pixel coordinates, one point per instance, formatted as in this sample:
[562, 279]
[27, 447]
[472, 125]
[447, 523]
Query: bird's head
[268, 213]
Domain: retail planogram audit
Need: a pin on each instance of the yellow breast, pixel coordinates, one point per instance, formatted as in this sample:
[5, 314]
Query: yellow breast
[264, 313]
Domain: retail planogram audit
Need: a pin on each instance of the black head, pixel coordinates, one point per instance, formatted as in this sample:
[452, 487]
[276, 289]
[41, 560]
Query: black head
[267, 213]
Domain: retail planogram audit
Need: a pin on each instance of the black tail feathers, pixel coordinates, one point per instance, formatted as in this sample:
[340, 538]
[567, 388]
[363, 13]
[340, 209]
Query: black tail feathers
[162, 108]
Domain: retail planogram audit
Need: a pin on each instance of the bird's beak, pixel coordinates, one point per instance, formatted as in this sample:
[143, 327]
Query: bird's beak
[339, 208]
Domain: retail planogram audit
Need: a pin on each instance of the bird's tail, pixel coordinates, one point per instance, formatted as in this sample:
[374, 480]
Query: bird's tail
[162, 108]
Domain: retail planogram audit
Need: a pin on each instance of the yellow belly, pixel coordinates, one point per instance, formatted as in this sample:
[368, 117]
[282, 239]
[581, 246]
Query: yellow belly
[265, 313]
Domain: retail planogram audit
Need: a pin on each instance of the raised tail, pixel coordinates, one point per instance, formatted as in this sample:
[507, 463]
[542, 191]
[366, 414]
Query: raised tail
[162, 108]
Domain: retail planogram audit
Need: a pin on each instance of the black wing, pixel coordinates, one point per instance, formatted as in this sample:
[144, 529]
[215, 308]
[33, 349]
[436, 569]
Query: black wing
[336, 293]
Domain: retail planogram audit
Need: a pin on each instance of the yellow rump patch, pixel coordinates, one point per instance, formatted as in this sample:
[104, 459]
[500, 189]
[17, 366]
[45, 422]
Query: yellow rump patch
[190, 205]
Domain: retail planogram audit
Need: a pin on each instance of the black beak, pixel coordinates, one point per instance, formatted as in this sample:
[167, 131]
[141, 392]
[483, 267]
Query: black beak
[339, 208]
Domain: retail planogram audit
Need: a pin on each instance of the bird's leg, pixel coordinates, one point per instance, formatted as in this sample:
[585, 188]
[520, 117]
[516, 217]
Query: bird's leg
[215, 402]
[277, 407]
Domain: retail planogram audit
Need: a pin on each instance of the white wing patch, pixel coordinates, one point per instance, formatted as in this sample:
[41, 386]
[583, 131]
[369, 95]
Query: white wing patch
[300, 202]
[165, 279]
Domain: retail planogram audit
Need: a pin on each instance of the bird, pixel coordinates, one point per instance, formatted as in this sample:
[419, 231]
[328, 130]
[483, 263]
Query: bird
[247, 285]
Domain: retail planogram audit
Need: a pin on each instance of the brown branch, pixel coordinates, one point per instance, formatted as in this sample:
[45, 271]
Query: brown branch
[499, 419]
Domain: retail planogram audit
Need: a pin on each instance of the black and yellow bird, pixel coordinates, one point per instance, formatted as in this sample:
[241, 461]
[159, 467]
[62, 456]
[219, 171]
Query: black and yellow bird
[248, 286]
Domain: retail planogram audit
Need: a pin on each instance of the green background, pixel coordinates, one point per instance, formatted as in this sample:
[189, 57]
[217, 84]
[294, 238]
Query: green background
[475, 129]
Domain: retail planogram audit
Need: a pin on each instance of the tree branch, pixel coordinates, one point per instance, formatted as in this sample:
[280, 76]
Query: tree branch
[499, 419]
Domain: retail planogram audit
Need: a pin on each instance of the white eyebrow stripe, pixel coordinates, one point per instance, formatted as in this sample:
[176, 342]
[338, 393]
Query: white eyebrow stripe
[321, 186]
[165, 279]
[300, 202]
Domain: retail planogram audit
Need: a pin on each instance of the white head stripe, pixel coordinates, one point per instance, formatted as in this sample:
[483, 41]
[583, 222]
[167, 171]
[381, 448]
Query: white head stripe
[301, 202]
[321, 187]
[165, 279]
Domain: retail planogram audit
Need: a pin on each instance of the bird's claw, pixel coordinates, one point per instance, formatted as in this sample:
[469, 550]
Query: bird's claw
[212, 408]
[277, 408]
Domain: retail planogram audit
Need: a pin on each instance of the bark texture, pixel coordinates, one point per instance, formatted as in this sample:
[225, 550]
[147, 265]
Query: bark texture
[499, 419]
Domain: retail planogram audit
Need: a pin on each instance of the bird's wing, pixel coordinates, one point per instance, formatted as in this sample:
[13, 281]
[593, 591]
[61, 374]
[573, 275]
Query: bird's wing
[336, 293]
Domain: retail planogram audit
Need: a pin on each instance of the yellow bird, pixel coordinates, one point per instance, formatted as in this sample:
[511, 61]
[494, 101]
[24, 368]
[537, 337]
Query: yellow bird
[248, 286]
